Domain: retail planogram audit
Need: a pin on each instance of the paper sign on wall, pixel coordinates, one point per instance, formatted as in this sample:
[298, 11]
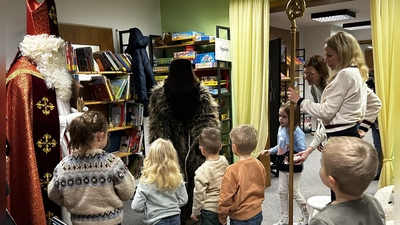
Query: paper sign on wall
[222, 49]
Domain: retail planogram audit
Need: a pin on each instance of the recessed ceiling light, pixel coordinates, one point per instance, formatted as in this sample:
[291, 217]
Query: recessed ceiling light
[336, 15]
[357, 25]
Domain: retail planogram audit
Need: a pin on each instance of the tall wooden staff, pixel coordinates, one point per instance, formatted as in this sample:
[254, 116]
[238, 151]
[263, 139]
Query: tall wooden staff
[294, 9]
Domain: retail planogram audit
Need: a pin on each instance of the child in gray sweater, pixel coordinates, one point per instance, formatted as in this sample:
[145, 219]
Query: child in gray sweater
[348, 166]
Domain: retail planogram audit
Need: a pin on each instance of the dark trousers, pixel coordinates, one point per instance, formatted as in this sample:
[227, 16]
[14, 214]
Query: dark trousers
[255, 220]
[209, 217]
[377, 144]
[351, 132]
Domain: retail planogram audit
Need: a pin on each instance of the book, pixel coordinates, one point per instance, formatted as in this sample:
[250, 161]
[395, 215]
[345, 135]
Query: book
[117, 63]
[135, 141]
[99, 88]
[127, 93]
[117, 114]
[84, 58]
[109, 90]
[123, 146]
[77, 91]
[132, 113]
[135, 165]
[118, 85]
[70, 56]
[124, 61]
[110, 60]
[102, 61]
[100, 65]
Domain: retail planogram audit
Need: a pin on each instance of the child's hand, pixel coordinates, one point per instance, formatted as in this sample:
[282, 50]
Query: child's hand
[264, 152]
[193, 217]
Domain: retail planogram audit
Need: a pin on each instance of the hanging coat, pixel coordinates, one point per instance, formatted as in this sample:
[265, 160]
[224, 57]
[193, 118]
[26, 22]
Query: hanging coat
[142, 71]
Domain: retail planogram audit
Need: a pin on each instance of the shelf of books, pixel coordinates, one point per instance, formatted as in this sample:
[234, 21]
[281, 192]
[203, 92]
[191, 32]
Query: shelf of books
[103, 81]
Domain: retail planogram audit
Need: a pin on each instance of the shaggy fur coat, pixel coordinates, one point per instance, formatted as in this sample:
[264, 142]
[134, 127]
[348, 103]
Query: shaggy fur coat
[183, 129]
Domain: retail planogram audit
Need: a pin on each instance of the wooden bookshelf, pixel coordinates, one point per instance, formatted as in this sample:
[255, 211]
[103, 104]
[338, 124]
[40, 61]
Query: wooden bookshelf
[188, 43]
[120, 128]
[92, 102]
[122, 154]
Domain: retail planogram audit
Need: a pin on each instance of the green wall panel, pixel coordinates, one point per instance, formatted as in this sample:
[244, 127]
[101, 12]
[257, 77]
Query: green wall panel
[197, 15]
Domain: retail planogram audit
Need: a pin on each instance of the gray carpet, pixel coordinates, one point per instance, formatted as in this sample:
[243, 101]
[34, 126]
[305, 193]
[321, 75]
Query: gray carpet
[311, 185]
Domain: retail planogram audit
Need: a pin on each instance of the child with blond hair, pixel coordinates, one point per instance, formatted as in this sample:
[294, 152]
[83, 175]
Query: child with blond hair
[243, 184]
[348, 166]
[91, 183]
[208, 177]
[161, 190]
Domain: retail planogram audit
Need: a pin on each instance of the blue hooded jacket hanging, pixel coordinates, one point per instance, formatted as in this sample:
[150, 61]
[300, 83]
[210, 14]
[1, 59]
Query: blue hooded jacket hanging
[141, 67]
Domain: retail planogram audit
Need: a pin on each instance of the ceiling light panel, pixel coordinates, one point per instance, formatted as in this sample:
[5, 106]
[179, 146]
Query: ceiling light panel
[335, 15]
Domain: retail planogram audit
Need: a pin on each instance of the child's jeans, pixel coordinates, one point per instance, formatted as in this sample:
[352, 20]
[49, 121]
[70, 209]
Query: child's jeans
[209, 217]
[255, 220]
[171, 220]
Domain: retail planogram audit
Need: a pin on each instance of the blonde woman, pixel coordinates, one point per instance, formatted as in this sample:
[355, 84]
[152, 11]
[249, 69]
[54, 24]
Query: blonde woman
[348, 107]
[161, 190]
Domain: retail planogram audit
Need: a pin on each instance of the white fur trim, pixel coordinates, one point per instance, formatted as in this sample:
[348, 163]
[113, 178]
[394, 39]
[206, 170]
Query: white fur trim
[47, 52]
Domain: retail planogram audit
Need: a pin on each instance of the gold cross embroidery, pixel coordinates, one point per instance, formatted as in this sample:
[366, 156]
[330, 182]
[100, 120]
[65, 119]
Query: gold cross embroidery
[49, 215]
[53, 14]
[46, 105]
[44, 182]
[47, 144]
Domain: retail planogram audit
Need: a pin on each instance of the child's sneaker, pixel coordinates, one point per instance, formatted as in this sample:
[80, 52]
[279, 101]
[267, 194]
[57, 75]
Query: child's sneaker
[282, 221]
[302, 221]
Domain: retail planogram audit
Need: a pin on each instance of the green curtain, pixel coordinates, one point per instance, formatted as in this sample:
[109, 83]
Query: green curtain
[249, 25]
[386, 53]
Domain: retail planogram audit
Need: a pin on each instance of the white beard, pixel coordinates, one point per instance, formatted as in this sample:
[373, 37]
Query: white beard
[47, 52]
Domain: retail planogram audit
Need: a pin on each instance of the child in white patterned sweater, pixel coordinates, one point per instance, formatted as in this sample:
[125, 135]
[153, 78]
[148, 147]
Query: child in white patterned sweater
[91, 183]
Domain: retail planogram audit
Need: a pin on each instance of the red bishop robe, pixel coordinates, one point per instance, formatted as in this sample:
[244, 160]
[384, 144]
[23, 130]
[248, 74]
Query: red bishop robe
[33, 133]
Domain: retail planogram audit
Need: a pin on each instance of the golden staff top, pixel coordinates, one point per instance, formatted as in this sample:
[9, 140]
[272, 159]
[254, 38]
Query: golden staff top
[294, 9]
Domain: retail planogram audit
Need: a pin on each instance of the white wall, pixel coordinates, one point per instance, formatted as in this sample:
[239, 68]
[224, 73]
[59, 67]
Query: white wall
[312, 39]
[115, 14]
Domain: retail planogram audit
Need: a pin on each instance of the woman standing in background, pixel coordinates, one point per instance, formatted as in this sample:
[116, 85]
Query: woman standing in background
[316, 73]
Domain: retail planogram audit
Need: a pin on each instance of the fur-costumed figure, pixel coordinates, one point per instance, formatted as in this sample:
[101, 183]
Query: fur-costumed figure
[179, 110]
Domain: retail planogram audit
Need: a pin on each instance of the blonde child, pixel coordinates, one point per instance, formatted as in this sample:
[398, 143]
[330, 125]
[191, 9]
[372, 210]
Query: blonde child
[243, 185]
[161, 190]
[282, 161]
[91, 183]
[208, 178]
[348, 166]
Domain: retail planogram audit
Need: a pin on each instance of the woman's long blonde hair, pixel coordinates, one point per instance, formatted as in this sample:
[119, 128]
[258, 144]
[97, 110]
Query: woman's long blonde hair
[161, 166]
[349, 52]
